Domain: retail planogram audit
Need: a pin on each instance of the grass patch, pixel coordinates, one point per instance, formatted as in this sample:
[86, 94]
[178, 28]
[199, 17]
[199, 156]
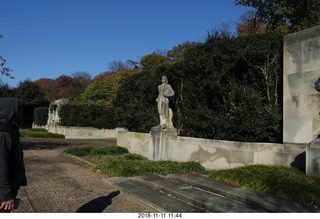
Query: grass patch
[127, 168]
[39, 133]
[284, 182]
[116, 161]
[87, 151]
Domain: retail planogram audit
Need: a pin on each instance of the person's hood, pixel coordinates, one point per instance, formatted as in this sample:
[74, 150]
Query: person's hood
[9, 107]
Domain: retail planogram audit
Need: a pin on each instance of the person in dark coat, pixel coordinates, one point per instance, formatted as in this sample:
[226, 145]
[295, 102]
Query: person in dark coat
[12, 169]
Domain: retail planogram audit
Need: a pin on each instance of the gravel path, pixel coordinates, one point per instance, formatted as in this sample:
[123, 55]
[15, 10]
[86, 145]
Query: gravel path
[60, 183]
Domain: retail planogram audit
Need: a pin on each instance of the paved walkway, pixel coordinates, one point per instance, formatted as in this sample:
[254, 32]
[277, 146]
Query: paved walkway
[57, 183]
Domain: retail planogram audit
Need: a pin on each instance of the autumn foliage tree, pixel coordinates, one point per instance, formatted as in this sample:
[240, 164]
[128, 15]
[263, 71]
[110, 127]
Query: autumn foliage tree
[48, 88]
[80, 81]
[285, 15]
[63, 84]
[250, 23]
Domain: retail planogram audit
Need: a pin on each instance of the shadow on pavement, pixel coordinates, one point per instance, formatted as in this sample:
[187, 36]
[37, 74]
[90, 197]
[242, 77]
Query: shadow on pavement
[30, 144]
[97, 205]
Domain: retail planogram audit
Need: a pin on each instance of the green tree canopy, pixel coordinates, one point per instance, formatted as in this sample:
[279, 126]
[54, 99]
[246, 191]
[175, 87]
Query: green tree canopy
[103, 91]
[30, 97]
[286, 15]
[135, 102]
[152, 61]
[225, 88]
[6, 90]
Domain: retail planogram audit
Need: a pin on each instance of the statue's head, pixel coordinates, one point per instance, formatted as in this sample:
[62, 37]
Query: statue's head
[164, 79]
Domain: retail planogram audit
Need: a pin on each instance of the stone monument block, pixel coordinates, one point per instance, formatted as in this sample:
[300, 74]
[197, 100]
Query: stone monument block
[158, 141]
[301, 101]
[313, 161]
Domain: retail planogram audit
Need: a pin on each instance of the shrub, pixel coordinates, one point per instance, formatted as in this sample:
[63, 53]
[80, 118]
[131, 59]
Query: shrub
[128, 168]
[38, 133]
[41, 115]
[117, 161]
[133, 157]
[87, 151]
[284, 182]
[111, 150]
[87, 116]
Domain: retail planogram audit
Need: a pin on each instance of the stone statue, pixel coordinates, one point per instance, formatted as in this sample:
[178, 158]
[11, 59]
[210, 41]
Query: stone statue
[54, 109]
[165, 113]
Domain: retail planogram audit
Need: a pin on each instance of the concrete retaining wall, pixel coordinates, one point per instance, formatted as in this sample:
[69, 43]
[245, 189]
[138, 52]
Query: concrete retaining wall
[81, 132]
[215, 154]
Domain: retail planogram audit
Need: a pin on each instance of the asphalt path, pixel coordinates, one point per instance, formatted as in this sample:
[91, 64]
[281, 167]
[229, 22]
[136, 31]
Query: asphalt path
[58, 183]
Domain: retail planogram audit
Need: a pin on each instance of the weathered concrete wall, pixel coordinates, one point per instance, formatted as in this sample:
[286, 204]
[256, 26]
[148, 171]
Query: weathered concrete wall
[135, 142]
[215, 154]
[83, 132]
[301, 120]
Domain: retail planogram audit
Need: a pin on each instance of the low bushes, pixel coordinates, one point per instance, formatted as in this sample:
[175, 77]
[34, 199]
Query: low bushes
[127, 168]
[38, 133]
[284, 182]
[86, 151]
[117, 161]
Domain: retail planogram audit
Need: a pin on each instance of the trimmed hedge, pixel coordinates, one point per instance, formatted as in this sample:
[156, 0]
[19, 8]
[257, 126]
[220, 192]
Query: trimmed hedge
[87, 116]
[41, 115]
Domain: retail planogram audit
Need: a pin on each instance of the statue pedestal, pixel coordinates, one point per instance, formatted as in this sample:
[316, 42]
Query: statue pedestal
[158, 142]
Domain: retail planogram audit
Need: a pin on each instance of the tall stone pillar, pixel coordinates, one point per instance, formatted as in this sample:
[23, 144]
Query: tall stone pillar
[301, 101]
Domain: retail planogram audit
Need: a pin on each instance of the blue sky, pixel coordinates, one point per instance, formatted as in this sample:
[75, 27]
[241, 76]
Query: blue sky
[49, 38]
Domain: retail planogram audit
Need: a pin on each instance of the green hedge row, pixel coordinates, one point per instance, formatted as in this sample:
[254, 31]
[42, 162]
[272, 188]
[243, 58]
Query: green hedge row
[41, 115]
[87, 116]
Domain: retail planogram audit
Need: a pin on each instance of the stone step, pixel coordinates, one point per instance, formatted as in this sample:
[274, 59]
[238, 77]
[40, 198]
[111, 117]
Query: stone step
[258, 199]
[160, 201]
[211, 202]
[195, 192]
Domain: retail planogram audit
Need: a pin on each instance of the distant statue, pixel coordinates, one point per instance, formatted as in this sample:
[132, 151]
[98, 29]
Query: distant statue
[54, 109]
[165, 113]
